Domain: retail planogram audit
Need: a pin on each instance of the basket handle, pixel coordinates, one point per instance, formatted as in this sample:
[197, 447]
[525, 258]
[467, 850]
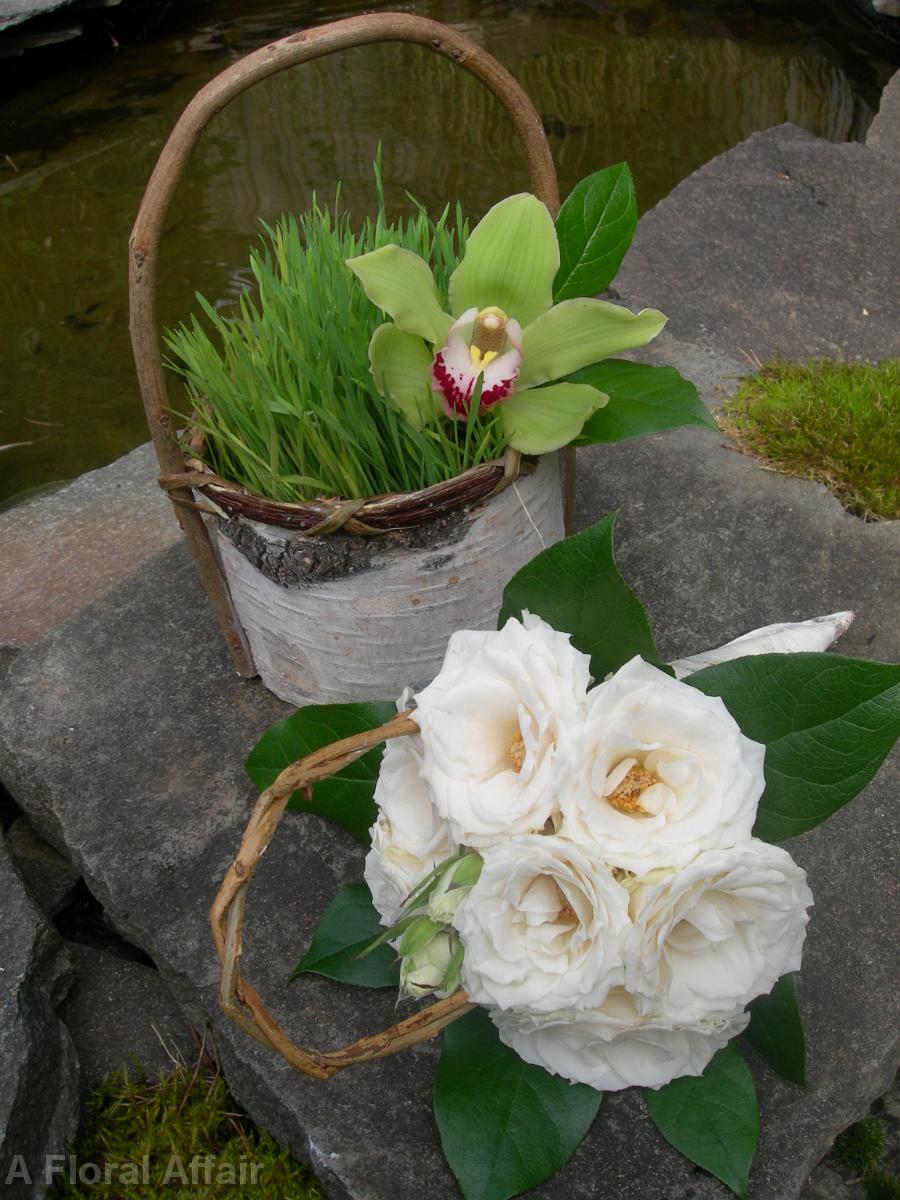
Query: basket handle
[143, 246]
[238, 998]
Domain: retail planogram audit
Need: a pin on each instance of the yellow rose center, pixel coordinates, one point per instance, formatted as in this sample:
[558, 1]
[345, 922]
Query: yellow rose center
[626, 796]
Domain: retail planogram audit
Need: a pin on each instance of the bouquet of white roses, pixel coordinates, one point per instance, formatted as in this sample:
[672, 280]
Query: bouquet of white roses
[578, 842]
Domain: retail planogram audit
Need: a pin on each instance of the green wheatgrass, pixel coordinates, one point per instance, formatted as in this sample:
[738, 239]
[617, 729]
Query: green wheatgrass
[836, 423]
[282, 390]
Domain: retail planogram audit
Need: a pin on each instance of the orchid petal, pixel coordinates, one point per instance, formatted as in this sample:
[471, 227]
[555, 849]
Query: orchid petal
[539, 420]
[401, 368]
[579, 332]
[510, 262]
[402, 285]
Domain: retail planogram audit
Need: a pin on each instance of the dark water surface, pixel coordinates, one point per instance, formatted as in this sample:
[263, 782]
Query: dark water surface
[663, 85]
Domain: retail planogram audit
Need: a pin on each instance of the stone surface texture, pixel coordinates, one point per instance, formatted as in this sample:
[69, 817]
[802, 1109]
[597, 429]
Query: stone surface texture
[50, 877]
[61, 550]
[14, 12]
[884, 132]
[787, 244]
[121, 1013]
[38, 1067]
[122, 733]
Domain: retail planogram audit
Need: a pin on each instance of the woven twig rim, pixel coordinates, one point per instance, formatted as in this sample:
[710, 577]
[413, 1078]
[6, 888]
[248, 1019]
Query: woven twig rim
[238, 998]
[370, 515]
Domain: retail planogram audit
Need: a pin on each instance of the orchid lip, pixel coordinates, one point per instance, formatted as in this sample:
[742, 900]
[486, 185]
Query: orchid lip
[485, 344]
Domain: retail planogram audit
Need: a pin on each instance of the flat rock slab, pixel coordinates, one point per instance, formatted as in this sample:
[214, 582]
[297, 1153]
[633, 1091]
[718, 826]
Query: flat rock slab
[132, 709]
[61, 550]
[121, 1014]
[38, 1068]
[788, 244]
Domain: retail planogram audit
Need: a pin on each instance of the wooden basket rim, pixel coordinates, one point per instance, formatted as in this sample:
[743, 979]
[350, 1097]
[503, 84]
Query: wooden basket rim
[238, 998]
[385, 513]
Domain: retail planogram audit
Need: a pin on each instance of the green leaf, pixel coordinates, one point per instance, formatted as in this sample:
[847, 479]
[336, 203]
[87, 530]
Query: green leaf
[349, 924]
[642, 400]
[539, 420]
[347, 796]
[776, 1030]
[575, 586]
[713, 1118]
[505, 1125]
[827, 723]
[595, 227]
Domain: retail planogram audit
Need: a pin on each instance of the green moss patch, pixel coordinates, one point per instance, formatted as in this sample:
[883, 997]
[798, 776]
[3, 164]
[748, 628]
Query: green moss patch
[181, 1137]
[836, 423]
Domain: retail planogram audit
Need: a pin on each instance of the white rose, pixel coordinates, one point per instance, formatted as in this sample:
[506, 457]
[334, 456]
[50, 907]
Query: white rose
[542, 927]
[723, 929]
[495, 723]
[613, 1046]
[409, 839]
[666, 772]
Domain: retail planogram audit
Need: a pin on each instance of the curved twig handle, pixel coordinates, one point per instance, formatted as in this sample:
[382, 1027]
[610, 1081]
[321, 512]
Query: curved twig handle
[144, 244]
[238, 998]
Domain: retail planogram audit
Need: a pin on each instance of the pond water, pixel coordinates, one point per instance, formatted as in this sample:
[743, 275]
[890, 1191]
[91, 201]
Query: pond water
[663, 85]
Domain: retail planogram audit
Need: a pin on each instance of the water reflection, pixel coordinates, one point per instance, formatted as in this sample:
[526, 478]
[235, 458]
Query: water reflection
[664, 87]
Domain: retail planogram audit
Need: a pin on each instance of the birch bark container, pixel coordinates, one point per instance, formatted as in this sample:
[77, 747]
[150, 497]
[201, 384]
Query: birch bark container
[341, 617]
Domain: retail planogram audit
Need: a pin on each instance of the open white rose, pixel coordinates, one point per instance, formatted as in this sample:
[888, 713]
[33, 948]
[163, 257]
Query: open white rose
[612, 1046]
[542, 927]
[496, 726]
[666, 772]
[409, 839]
[713, 935]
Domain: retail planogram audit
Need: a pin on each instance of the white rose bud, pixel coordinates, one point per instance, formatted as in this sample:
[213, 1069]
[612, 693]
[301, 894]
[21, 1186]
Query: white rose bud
[665, 772]
[409, 839]
[453, 887]
[613, 1046]
[495, 728]
[425, 971]
[542, 927]
[723, 929]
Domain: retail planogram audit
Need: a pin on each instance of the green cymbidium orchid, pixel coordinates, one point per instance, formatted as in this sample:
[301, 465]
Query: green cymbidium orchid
[502, 328]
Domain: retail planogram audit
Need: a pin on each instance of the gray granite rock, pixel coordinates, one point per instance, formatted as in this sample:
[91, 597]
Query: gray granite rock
[51, 878]
[123, 734]
[38, 1068]
[61, 549]
[14, 12]
[121, 1013]
[785, 244]
[884, 132]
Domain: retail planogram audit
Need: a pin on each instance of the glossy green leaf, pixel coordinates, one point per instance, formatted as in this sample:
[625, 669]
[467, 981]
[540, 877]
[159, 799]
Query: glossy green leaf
[827, 723]
[505, 1125]
[776, 1030]
[595, 227]
[576, 587]
[713, 1118]
[642, 400]
[348, 926]
[347, 796]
